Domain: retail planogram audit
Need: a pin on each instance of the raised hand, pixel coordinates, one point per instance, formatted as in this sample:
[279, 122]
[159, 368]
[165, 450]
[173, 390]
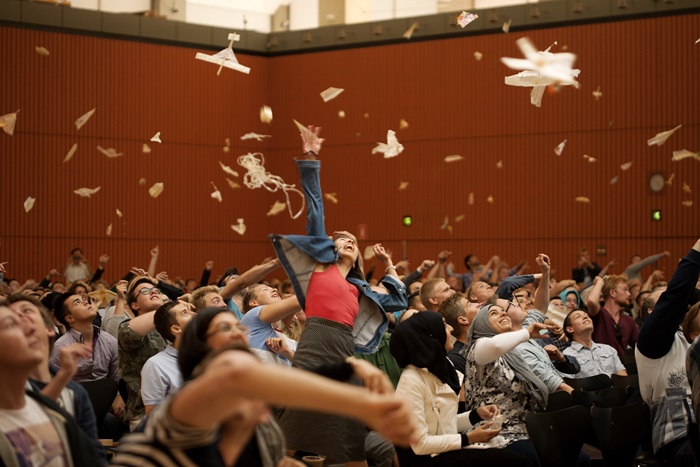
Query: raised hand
[155, 252]
[381, 254]
[310, 142]
[543, 262]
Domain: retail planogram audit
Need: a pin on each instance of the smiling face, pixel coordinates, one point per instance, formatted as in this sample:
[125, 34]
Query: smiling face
[346, 244]
[148, 298]
[571, 302]
[578, 323]
[499, 320]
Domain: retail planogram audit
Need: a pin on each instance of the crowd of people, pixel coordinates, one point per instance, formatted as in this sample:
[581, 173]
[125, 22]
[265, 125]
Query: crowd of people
[423, 367]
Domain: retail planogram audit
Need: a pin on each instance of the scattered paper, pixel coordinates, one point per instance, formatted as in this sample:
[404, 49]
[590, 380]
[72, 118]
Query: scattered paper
[265, 114]
[276, 208]
[403, 124]
[478, 55]
[156, 189]
[156, 138]
[369, 253]
[109, 152]
[661, 138]
[332, 197]
[489, 199]
[684, 154]
[555, 67]
[409, 32]
[560, 148]
[239, 228]
[86, 192]
[7, 122]
[102, 296]
[460, 218]
[670, 179]
[590, 158]
[82, 120]
[688, 203]
[686, 188]
[465, 18]
[71, 152]
[499, 164]
[331, 93]
[146, 149]
[308, 136]
[225, 58]
[538, 83]
[341, 114]
[614, 180]
[471, 199]
[142, 181]
[597, 94]
[445, 223]
[506, 26]
[227, 145]
[42, 51]
[391, 148]
[216, 194]
[697, 42]
[29, 203]
[255, 136]
[626, 166]
[119, 214]
[109, 230]
[228, 169]
[403, 185]
[453, 158]
[232, 184]
[582, 199]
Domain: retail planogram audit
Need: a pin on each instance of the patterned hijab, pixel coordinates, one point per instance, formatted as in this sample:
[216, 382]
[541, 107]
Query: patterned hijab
[481, 328]
[420, 341]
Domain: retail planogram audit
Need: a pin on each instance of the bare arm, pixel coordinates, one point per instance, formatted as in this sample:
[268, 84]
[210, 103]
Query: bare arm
[439, 270]
[143, 324]
[604, 272]
[154, 260]
[235, 375]
[593, 300]
[653, 278]
[248, 278]
[542, 292]
[276, 311]
[382, 255]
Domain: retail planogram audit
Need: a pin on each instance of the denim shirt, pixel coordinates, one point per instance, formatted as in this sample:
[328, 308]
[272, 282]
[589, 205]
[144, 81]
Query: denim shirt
[299, 255]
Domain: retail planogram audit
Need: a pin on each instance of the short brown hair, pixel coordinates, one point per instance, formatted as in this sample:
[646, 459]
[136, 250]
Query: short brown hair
[610, 283]
[688, 326]
[451, 309]
[249, 295]
[426, 291]
[199, 296]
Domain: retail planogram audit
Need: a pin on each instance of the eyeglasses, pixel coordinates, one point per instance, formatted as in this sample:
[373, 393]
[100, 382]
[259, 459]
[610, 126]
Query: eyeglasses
[228, 328]
[513, 303]
[149, 291]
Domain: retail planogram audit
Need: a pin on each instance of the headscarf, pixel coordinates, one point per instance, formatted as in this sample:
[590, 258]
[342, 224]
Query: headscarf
[481, 328]
[420, 341]
[571, 291]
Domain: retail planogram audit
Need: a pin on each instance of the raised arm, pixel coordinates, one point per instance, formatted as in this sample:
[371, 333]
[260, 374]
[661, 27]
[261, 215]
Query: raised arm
[154, 260]
[248, 278]
[634, 269]
[206, 274]
[604, 272]
[489, 349]
[657, 334]
[276, 311]
[542, 292]
[593, 300]
[439, 269]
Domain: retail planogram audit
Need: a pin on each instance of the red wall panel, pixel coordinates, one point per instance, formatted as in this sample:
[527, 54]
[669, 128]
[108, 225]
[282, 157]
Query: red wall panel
[647, 70]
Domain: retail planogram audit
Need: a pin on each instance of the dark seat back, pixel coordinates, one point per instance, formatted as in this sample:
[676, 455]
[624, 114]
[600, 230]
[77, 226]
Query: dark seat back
[609, 397]
[102, 393]
[591, 383]
[619, 431]
[559, 435]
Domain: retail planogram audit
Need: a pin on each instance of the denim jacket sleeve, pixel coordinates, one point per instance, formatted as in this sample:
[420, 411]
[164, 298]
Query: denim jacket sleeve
[309, 171]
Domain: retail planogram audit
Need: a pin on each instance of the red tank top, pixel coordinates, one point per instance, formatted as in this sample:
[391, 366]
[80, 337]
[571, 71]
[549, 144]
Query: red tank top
[332, 297]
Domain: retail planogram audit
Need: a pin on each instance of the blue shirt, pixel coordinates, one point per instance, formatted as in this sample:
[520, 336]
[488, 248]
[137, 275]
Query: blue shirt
[160, 376]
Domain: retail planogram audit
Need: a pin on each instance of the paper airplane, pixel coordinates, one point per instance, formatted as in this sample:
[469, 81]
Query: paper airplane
[670, 179]
[156, 189]
[686, 188]
[626, 166]
[560, 148]
[391, 148]
[102, 296]
[216, 194]
[403, 124]
[465, 18]
[42, 51]
[265, 114]
[661, 138]
[276, 208]
[369, 253]
[331, 93]
[409, 32]
[7, 122]
[307, 135]
[239, 228]
[614, 180]
[225, 58]
[460, 218]
[86, 192]
[471, 199]
[29, 203]
[228, 169]
[332, 197]
[597, 94]
[71, 152]
[684, 154]
[146, 149]
[227, 145]
[82, 120]
[453, 158]
[232, 184]
[119, 214]
[109, 152]
[403, 185]
[255, 136]
[590, 158]
[582, 199]
[156, 138]
[555, 68]
[506, 26]
[478, 55]
[688, 203]
[109, 231]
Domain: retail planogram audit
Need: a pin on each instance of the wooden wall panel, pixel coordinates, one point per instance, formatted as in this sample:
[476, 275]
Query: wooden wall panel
[647, 70]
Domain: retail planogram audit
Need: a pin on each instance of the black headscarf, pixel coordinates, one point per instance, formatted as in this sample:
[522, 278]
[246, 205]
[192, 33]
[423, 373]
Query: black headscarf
[420, 341]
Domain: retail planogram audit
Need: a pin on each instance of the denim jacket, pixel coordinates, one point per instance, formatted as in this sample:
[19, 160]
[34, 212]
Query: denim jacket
[299, 255]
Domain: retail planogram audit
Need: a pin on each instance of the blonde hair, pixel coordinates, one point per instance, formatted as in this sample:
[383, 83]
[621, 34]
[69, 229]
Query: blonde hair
[199, 296]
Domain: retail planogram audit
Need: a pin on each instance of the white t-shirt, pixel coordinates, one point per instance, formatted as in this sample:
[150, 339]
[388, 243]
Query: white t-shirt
[33, 436]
